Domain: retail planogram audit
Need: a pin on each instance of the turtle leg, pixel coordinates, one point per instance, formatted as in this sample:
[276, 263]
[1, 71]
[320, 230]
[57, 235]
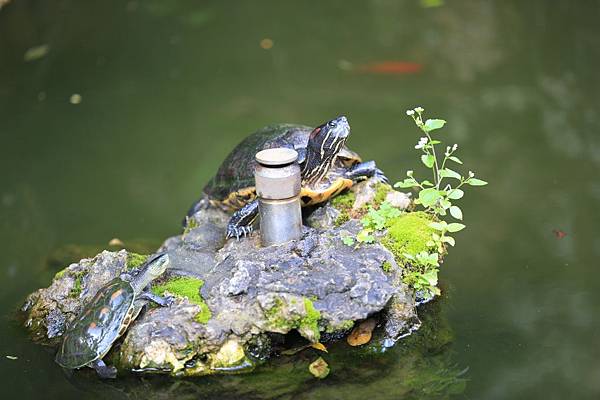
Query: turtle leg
[241, 221]
[160, 300]
[103, 370]
[364, 170]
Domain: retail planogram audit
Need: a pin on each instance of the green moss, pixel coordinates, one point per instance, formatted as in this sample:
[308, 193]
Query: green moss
[190, 224]
[408, 233]
[134, 260]
[309, 322]
[77, 286]
[341, 327]
[344, 200]
[311, 319]
[188, 288]
[343, 203]
[60, 273]
[386, 266]
[342, 218]
[381, 191]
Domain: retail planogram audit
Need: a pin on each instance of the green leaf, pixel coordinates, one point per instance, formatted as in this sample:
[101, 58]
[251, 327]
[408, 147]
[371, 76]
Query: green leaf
[449, 240]
[426, 183]
[407, 183]
[455, 227]
[365, 236]
[348, 240]
[456, 212]
[476, 182]
[429, 196]
[455, 159]
[448, 173]
[428, 160]
[431, 277]
[438, 226]
[434, 142]
[445, 204]
[455, 194]
[433, 124]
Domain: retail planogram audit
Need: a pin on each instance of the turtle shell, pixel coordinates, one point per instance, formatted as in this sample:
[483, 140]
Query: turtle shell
[236, 173]
[91, 335]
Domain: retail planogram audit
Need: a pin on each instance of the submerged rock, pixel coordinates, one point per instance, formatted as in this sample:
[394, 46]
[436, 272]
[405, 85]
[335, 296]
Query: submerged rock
[237, 294]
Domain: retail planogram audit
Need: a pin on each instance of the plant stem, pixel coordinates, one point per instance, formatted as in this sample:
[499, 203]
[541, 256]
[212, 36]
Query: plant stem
[436, 169]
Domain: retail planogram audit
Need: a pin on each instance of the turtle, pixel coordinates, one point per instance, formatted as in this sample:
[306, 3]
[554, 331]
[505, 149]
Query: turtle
[107, 316]
[328, 167]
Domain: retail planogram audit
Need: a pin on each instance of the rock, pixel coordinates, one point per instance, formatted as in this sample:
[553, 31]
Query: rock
[323, 217]
[398, 199]
[316, 286]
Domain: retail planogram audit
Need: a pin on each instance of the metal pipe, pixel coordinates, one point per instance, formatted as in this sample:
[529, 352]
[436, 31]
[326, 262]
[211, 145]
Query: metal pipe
[277, 177]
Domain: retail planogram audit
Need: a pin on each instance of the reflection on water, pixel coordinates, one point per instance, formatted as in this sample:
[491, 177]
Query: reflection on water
[168, 87]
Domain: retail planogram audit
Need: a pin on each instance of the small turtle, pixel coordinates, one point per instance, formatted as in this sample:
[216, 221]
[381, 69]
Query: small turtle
[328, 168]
[106, 317]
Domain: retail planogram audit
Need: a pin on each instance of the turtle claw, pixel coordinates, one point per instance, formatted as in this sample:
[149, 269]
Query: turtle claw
[239, 231]
[379, 176]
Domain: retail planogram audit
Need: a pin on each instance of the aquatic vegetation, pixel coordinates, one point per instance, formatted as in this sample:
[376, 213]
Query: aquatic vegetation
[188, 288]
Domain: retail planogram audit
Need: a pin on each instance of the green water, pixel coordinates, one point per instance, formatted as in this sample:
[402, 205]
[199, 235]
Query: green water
[168, 87]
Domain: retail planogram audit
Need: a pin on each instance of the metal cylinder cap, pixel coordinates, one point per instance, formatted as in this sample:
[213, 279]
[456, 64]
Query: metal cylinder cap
[277, 156]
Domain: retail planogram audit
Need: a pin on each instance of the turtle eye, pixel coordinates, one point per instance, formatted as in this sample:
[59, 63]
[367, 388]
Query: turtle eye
[331, 124]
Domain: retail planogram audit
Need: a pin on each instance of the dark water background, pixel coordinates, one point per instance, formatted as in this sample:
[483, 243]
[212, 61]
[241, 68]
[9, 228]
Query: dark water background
[168, 87]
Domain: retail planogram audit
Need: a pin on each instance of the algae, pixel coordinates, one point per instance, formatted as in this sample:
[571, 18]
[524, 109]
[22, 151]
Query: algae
[189, 288]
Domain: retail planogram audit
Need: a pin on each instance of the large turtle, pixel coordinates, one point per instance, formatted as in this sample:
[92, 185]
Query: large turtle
[102, 321]
[328, 167]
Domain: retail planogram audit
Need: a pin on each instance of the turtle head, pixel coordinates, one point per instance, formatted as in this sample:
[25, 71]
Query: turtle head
[152, 269]
[324, 143]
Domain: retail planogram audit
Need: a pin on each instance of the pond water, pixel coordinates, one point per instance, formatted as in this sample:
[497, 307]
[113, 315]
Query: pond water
[113, 127]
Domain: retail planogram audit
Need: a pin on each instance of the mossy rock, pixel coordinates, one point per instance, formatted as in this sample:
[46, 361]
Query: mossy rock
[408, 233]
[189, 288]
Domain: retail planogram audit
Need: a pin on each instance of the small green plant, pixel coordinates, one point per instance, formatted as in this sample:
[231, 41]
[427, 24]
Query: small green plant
[421, 258]
[424, 274]
[437, 196]
[374, 220]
